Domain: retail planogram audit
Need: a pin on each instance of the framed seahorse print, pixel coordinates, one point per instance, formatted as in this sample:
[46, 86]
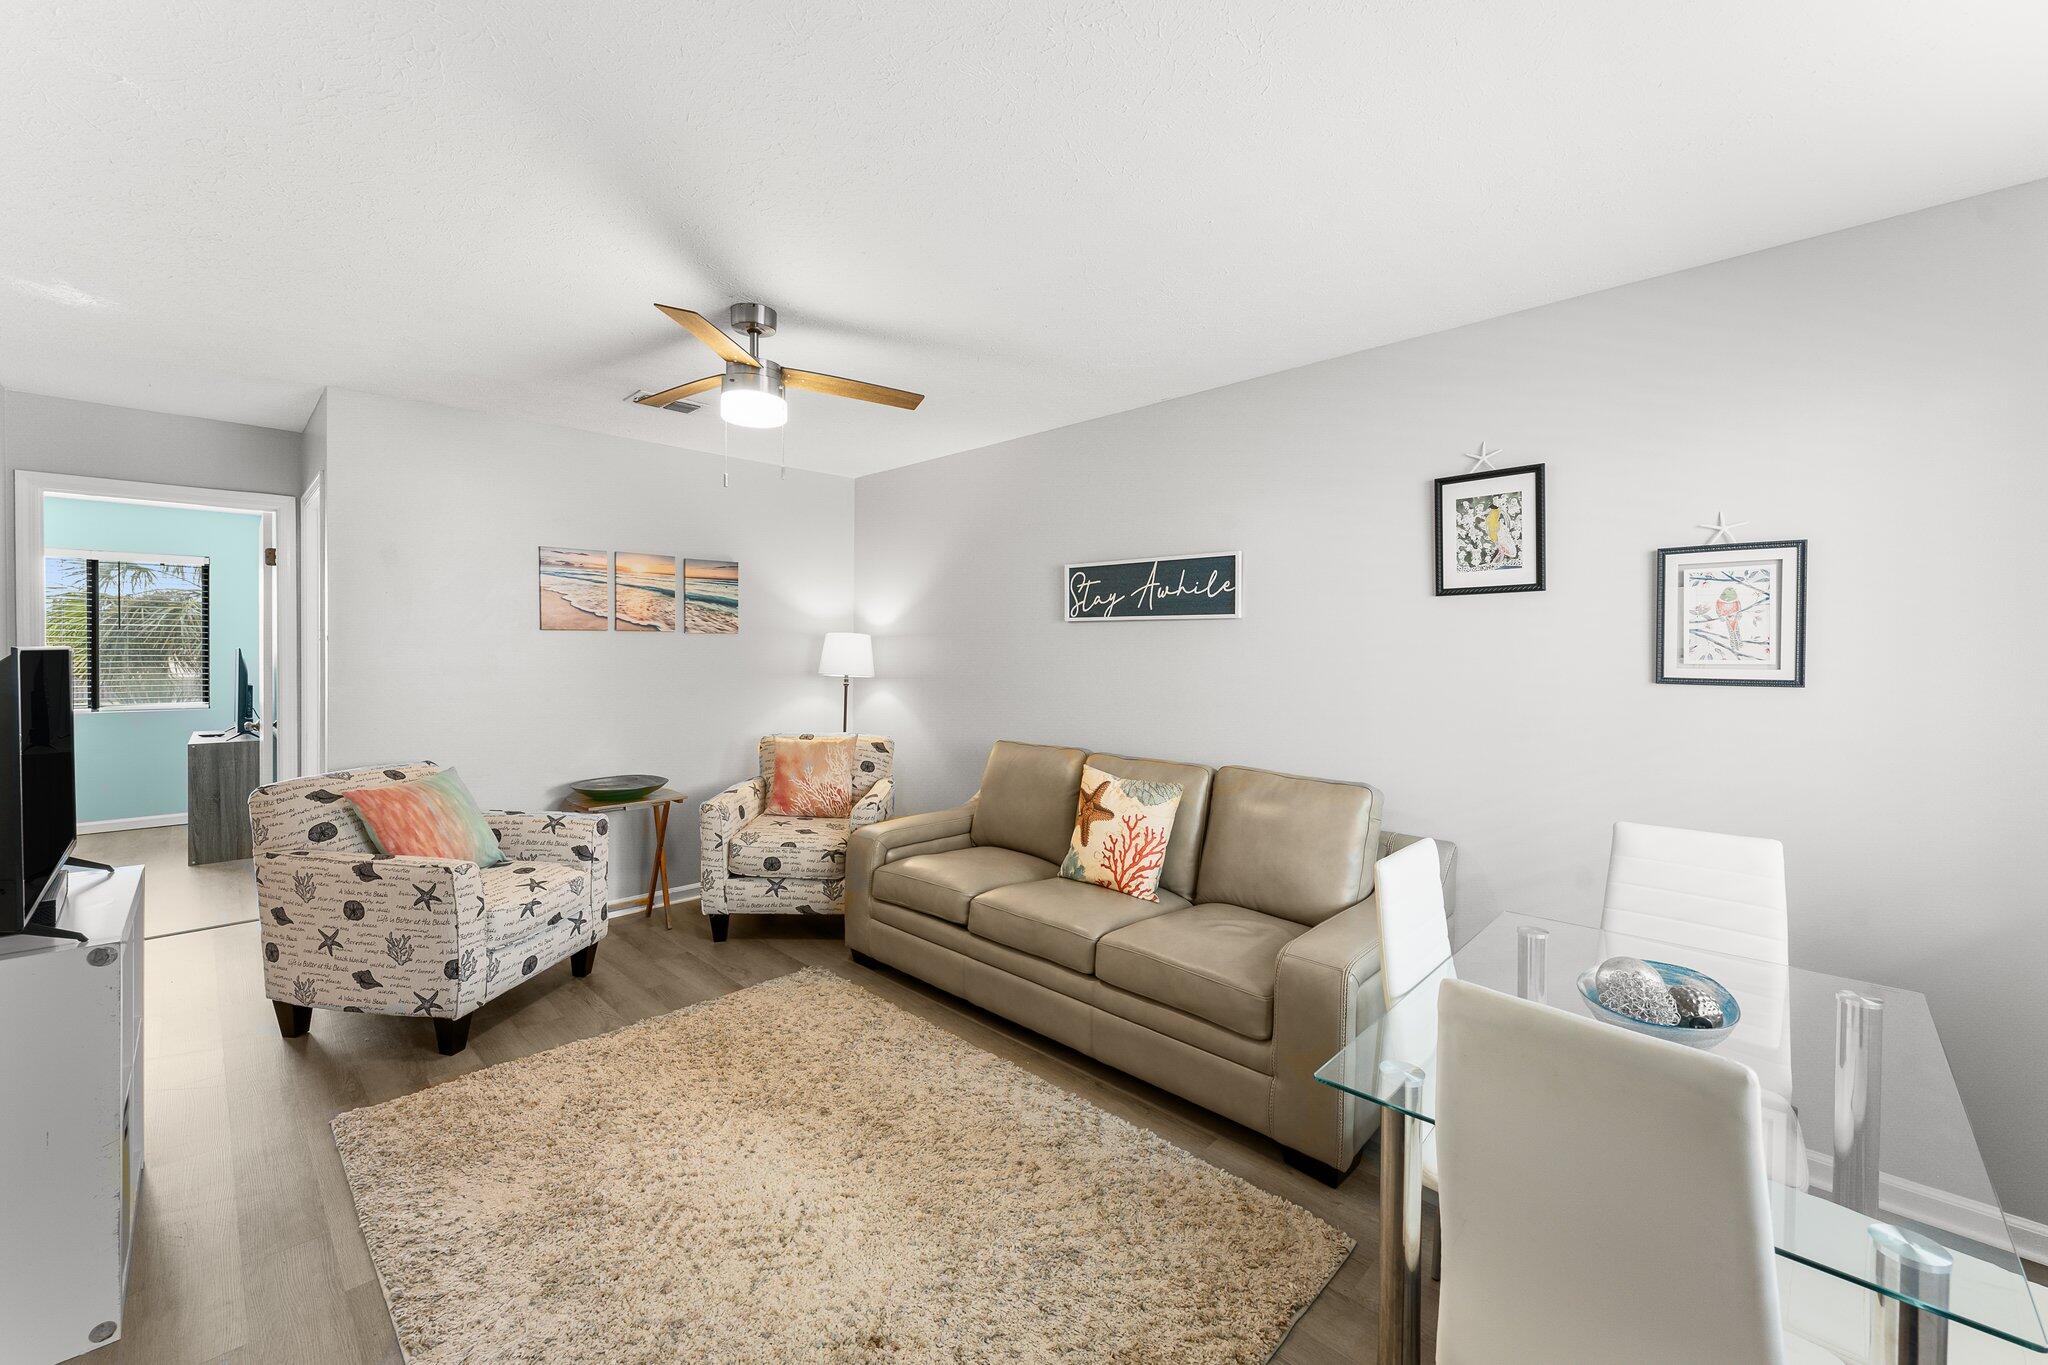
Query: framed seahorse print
[1489, 532]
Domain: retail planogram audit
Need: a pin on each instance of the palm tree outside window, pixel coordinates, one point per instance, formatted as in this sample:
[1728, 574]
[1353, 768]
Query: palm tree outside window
[137, 625]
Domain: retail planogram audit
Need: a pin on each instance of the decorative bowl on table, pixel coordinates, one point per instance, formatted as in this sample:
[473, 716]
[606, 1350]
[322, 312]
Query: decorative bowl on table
[619, 786]
[1702, 1011]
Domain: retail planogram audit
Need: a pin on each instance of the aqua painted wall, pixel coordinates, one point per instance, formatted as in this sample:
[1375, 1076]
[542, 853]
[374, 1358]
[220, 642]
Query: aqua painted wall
[132, 764]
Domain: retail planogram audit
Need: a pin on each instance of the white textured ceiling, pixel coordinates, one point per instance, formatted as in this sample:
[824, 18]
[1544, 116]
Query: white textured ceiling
[1035, 213]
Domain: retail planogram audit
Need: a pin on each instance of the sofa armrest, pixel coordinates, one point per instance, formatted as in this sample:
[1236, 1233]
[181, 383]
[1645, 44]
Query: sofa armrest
[875, 805]
[933, 832]
[575, 838]
[385, 935]
[717, 821]
[1325, 985]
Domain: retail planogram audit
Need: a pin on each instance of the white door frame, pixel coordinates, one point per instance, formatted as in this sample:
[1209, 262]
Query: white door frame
[278, 600]
[312, 708]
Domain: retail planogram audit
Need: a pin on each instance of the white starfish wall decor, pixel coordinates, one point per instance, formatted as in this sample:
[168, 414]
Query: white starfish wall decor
[1722, 528]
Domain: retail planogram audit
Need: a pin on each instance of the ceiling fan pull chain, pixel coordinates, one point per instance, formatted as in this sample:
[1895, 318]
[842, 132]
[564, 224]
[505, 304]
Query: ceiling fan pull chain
[725, 458]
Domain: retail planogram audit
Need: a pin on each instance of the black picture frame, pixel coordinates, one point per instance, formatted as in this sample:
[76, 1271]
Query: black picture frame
[1661, 621]
[1539, 538]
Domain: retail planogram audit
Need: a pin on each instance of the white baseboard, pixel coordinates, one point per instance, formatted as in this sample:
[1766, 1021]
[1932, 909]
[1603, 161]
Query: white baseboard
[637, 905]
[134, 822]
[1955, 1213]
[2029, 1239]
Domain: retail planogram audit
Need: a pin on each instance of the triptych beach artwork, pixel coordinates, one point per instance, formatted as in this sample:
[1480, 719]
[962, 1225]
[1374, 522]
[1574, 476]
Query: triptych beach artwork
[604, 590]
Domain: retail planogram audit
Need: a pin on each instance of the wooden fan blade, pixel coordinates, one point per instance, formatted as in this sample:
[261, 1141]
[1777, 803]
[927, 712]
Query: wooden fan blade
[667, 396]
[851, 388]
[709, 332]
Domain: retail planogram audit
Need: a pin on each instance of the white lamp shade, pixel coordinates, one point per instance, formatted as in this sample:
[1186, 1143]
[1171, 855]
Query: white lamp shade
[847, 654]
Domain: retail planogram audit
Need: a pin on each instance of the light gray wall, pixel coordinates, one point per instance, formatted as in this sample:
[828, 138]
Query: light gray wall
[435, 517]
[1879, 392]
[65, 436]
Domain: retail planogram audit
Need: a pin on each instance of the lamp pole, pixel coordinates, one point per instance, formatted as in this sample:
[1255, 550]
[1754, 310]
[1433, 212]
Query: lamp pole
[845, 691]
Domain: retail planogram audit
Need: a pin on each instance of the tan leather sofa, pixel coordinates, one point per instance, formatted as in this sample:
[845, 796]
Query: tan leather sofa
[1258, 963]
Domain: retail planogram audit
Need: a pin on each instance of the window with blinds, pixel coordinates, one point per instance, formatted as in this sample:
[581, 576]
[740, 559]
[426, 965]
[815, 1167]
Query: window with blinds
[137, 627]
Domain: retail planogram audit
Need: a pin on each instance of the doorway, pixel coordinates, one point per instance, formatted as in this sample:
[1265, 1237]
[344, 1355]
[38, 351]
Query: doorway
[168, 596]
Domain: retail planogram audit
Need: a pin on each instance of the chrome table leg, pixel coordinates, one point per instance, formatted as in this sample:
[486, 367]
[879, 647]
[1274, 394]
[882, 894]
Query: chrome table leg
[1401, 1220]
[1904, 1333]
[1859, 1101]
[1531, 944]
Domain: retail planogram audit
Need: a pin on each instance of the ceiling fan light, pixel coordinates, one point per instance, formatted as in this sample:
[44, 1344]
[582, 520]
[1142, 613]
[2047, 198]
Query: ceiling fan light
[751, 397]
[750, 408]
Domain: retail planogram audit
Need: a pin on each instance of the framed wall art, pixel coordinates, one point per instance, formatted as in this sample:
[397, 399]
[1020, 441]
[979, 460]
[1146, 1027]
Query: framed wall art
[711, 596]
[1732, 615]
[1186, 587]
[1489, 532]
[575, 589]
[643, 592]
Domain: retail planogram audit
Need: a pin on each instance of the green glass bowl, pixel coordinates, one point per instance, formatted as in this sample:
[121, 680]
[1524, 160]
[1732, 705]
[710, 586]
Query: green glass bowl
[619, 787]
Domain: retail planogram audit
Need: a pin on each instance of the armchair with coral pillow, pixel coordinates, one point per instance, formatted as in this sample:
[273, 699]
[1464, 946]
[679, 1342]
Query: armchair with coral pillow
[759, 861]
[347, 928]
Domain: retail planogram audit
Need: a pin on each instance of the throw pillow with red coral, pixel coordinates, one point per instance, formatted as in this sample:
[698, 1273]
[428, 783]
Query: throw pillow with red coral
[1121, 830]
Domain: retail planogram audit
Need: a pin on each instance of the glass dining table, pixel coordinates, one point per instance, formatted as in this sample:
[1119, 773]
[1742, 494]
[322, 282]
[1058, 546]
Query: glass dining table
[1875, 1176]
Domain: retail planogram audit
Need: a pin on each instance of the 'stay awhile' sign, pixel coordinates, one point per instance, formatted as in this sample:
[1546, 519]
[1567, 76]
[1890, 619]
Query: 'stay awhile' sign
[1196, 587]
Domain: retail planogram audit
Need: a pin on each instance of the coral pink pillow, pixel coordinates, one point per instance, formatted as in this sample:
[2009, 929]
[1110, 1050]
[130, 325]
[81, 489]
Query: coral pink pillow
[812, 777]
[427, 817]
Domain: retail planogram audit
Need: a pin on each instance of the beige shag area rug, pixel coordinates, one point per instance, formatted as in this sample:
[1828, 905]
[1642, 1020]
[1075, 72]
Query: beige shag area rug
[801, 1171]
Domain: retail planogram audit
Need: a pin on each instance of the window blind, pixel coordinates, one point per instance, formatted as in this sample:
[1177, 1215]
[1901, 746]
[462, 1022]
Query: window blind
[138, 628]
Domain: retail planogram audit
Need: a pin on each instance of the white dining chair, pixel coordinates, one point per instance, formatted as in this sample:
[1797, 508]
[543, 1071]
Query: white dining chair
[1721, 894]
[1607, 1195]
[1415, 943]
[1415, 932]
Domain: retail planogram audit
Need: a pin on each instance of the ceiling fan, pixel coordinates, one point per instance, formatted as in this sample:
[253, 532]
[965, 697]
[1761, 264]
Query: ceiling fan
[751, 390]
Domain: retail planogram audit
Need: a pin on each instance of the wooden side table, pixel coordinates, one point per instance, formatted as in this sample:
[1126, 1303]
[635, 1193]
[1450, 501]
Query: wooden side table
[657, 804]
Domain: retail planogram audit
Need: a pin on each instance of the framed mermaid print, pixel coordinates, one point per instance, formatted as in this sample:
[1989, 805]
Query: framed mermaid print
[1732, 615]
[1489, 532]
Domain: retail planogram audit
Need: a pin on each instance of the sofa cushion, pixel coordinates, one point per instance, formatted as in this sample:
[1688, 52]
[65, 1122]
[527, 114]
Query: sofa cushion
[788, 846]
[1059, 920]
[942, 884]
[774, 895]
[1184, 849]
[1297, 847]
[1028, 795]
[523, 898]
[1216, 962]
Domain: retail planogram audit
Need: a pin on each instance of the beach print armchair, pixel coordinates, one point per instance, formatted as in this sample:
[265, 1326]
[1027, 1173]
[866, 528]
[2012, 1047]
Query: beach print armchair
[347, 929]
[756, 864]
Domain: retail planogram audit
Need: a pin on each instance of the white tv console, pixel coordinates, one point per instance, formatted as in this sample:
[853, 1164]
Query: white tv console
[70, 1121]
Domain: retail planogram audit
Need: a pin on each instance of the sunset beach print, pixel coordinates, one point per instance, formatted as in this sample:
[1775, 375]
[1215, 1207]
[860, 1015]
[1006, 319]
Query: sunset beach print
[645, 592]
[711, 596]
[575, 589]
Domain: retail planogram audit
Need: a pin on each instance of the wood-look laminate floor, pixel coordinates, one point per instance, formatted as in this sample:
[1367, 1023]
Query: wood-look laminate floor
[180, 897]
[247, 1245]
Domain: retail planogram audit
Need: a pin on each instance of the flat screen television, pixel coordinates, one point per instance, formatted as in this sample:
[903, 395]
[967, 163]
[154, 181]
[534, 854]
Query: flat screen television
[38, 791]
[245, 698]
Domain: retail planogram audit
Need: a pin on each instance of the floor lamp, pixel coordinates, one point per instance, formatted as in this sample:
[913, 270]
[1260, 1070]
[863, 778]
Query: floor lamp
[847, 655]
